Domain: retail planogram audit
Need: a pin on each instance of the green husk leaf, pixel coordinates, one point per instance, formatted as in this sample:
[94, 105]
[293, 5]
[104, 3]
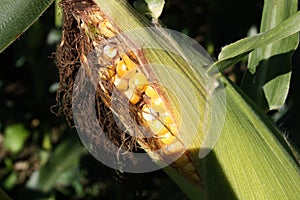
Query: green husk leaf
[269, 68]
[229, 53]
[17, 16]
[251, 148]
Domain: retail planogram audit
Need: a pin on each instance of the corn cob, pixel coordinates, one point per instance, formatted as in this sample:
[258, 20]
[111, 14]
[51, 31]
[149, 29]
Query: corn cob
[120, 71]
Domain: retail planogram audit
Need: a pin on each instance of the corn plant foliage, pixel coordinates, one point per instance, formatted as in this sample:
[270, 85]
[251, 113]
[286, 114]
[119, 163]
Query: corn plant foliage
[269, 67]
[233, 53]
[152, 8]
[17, 16]
[64, 159]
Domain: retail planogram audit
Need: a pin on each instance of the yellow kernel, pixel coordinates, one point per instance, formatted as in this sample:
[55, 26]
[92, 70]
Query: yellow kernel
[169, 121]
[132, 96]
[120, 83]
[111, 71]
[158, 127]
[129, 63]
[167, 138]
[140, 82]
[124, 67]
[135, 98]
[150, 92]
[121, 68]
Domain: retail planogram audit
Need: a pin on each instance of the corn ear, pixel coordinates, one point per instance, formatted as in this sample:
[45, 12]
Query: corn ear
[248, 161]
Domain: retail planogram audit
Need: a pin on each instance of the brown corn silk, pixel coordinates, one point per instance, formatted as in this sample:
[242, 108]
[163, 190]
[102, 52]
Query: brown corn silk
[86, 28]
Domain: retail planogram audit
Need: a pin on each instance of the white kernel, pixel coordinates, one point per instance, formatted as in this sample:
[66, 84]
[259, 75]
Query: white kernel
[109, 51]
[148, 114]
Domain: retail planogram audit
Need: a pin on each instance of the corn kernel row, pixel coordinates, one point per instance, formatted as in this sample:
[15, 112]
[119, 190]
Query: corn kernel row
[125, 75]
[119, 69]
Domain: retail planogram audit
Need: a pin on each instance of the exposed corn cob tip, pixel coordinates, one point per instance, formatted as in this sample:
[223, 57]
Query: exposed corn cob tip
[120, 70]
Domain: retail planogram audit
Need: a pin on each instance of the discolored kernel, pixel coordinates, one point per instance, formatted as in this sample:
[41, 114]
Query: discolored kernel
[103, 73]
[106, 73]
[142, 121]
[147, 113]
[110, 51]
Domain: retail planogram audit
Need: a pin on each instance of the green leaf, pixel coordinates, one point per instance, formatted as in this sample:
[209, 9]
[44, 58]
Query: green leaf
[15, 136]
[10, 181]
[152, 8]
[251, 154]
[275, 91]
[64, 159]
[17, 16]
[229, 54]
[156, 7]
[269, 68]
